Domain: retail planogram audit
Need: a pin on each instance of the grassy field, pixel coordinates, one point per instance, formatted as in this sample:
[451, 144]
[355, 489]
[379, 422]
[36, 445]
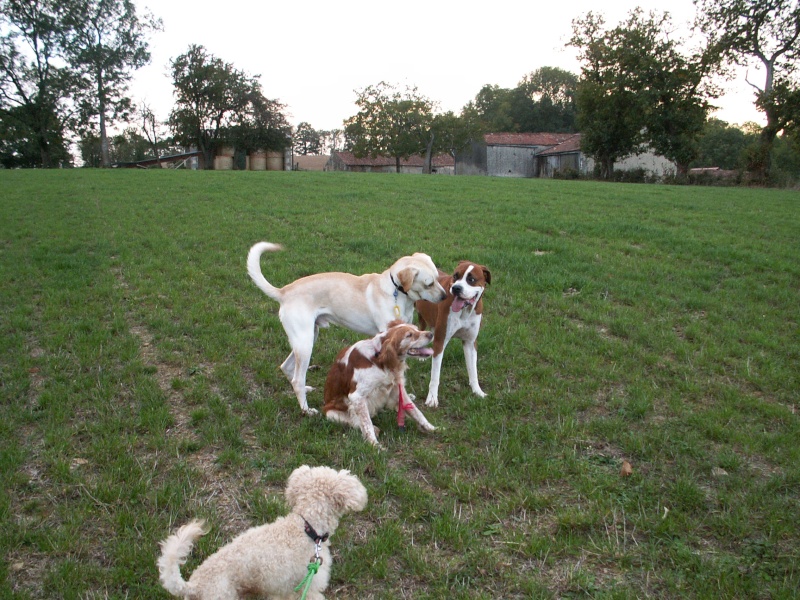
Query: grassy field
[651, 324]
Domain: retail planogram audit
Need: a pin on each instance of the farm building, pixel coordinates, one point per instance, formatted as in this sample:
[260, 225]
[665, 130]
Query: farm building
[543, 155]
[507, 154]
[442, 164]
[310, 162]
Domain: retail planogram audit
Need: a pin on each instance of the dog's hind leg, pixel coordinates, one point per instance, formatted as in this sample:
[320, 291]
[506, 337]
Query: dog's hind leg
[302, 342]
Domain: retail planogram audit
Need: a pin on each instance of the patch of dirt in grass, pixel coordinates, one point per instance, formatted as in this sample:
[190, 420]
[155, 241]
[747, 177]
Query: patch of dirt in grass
[165, 375]
[586, 574]
[220, 487]
[224, 490]
[26, 569]
[601, 330]
[26, 572]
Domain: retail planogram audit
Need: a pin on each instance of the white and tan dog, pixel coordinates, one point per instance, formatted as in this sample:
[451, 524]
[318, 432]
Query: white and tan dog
[270, 560]
[369, 376]
[363, 303]
[460, 316]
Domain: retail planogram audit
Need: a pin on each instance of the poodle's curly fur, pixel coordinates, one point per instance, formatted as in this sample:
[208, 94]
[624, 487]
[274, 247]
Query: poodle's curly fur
[269, 560]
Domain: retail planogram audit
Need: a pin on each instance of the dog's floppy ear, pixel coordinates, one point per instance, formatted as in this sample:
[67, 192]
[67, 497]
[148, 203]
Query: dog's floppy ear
[377, 342]
[349, 494]
[297, 480]
[486, 275]
[406, 278]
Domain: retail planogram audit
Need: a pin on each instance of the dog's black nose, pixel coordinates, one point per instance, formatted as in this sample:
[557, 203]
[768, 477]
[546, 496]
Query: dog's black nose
[456, 289]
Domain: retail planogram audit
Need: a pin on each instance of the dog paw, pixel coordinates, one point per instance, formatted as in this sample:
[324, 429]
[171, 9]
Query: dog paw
[428, 428]
[479, 392]
[310, 412]
[432, 402]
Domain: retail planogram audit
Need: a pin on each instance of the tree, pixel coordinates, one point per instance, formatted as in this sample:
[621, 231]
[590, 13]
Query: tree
[452, 132]
[552, 91]
[638, 89]
[216, 104]
[500, 109]
[390, 122]
[20, 142]
[152, 128]
[128, 146]
[609, 108]
[763, 33]
[721, 145]
[35, 85]
[544, 100]
[105, 41]
[260, 124]
[308, 140]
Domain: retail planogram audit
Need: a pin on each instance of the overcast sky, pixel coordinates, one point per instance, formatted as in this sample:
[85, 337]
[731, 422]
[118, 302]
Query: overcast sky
[312, 55]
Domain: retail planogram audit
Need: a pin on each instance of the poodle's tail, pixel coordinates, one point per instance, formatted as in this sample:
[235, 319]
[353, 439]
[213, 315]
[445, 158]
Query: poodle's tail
[254, 268]
[174, 551]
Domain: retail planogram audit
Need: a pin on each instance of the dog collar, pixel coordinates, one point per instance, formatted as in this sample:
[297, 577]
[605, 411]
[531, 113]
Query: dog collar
[312, 533]
[397, 287]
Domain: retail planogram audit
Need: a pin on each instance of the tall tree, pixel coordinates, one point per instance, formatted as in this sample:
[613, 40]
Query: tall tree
[765, 33]
[105, 41]
[609, 109]
[216, 103]
[637, 88]
[390, 122]
[35, 85]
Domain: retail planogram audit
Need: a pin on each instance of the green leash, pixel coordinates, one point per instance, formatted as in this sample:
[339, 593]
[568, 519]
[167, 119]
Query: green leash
[316, 560]
[313, 567]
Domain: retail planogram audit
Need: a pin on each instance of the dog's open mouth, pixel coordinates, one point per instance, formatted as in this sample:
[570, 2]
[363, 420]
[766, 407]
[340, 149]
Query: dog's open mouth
[459, 303]
[420, 352]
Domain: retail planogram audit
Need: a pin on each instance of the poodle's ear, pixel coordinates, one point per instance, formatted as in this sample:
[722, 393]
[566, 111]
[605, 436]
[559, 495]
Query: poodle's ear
[349, 494]
[296, 483]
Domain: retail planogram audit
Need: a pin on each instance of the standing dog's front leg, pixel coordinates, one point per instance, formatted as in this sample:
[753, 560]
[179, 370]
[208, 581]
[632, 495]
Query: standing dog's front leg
[471, 358]
[433, 388]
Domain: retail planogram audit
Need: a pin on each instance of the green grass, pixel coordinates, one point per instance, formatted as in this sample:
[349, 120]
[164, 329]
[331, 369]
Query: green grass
[140, 385]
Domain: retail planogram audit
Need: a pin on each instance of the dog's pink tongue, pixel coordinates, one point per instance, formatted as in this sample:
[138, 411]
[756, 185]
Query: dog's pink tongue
[457, 305]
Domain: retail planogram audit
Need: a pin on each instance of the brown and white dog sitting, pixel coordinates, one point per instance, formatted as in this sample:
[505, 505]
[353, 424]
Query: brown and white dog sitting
[369, 376]
[459, 315]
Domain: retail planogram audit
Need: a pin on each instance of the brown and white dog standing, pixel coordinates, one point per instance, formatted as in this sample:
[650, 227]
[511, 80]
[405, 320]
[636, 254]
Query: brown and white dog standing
[459, 315]
[369, 376]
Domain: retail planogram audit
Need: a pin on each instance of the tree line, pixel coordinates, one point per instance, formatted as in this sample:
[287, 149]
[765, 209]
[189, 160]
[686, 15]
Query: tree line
[65, 67]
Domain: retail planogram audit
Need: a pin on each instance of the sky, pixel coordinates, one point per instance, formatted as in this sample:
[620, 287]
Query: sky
[313, 56]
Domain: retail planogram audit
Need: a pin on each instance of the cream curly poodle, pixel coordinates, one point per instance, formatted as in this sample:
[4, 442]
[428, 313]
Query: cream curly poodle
[270, 560]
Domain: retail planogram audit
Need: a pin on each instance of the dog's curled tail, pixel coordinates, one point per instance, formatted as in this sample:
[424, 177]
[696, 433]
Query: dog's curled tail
[174, 551]
[254, 268]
